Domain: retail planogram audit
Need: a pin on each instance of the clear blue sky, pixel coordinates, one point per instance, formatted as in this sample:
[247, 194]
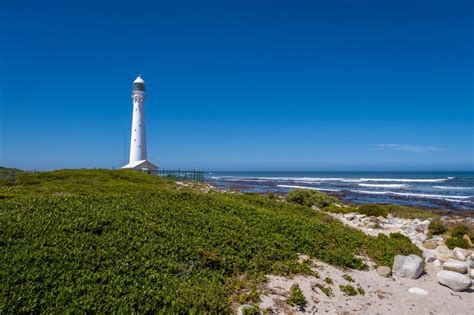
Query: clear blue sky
[240, 85]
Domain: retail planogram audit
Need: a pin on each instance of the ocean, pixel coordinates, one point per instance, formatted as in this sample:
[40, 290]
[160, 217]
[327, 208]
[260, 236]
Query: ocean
[444, 190]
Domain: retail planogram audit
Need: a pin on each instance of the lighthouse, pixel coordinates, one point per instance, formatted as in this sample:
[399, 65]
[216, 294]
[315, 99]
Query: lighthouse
[138, 155]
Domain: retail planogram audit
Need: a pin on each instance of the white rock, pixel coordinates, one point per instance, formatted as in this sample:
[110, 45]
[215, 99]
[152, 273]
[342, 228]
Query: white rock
[422, 226]
[453, 280]
[350, 216]
[443, 249]
[437, 263]
[459, 253]
[470, 261]
[444, 257]
[407, 266]
[419, 291]
[429, 255]
[471, 274]
[455, 265]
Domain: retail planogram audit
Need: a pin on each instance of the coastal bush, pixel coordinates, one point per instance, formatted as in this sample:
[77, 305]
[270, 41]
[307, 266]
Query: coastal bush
[296, 297]
[348, 289]
[98, 241]
[310, 198]
[385, 248]
[436, 227]
[459, 230]
[376, 209]
[453, 242]
[325, 289]
[339, 209]
[347, 277]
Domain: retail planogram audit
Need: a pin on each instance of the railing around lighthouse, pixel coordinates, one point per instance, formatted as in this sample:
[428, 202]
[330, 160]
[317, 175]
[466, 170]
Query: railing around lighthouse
[182, 174]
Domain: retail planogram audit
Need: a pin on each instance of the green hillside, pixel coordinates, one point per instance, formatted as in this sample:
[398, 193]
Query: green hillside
[107, 241]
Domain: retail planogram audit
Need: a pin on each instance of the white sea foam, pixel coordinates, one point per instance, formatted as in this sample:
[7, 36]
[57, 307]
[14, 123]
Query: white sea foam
[454, 188]
[456, 200]
[335, 179]
[307, 187]
[406, 180]
[384, 185]
[429, 196]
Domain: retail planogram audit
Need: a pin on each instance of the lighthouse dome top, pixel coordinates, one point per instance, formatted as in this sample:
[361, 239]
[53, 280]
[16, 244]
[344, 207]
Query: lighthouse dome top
[139, 79]
[139, 84]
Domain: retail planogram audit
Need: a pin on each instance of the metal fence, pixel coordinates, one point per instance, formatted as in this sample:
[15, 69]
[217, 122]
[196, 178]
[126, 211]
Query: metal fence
[182, 175]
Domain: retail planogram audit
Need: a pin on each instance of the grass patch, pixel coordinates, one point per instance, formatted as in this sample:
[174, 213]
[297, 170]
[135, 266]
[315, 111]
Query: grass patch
[296, 297]
[325, 289]
[453, 242]
[348, 289]
[98, 241]
[347, 277]
[436, 227]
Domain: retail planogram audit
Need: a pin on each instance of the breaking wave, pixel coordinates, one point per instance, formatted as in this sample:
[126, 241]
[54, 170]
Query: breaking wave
[454, 188]
[334, 179]
[307, 187]
[384, 185]
[429, 196]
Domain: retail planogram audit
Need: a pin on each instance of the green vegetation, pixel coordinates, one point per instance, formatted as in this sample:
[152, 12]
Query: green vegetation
[348, 289]
[360, 290]
[6, 173]
[325, 289]
[459, 231]
[296, 297]
[310, 198]
[328, 280]
[436, 227]
[383, 210]
[453, 242]
[457, 234]
[347, 277]
[251, 310]
[98, 241]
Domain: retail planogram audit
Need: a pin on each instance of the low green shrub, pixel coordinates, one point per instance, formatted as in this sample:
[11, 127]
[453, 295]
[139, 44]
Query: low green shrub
[296, 297]
[436, 227]
[339, 209]
[385, 248]
[360, 290]
[375, 210]
[453, 242]
[251, 310]
[328, 280]
[98, 241]
[459, 230]
[348, 289]
[347, 277]
[325, 289]
[310, 198]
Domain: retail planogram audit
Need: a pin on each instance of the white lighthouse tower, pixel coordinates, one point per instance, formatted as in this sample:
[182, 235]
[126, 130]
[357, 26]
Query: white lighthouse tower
[138, 158]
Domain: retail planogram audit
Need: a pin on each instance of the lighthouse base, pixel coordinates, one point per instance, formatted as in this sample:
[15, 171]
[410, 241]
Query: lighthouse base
[142, 165]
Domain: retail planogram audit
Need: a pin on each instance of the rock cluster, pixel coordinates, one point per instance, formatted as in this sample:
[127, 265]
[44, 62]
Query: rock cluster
[457, 265]
[414, 229]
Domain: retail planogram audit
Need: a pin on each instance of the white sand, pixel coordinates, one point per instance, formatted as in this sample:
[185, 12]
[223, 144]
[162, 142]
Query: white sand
[382, 295]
